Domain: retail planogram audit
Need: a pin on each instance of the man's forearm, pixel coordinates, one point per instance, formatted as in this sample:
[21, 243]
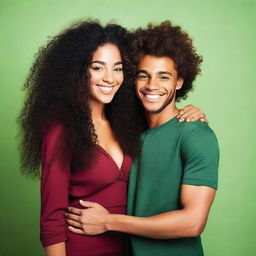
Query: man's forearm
[175, 224]
[186, 222]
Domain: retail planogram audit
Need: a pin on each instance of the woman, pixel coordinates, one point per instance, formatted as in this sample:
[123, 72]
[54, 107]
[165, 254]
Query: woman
[81, 134]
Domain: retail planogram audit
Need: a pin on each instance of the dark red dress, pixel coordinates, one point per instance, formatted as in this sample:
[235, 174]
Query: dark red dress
[61, 187]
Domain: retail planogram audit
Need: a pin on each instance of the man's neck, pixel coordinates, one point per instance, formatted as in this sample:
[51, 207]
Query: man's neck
[157, 119]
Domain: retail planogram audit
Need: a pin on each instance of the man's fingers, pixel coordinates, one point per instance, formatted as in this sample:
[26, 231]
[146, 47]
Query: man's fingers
[76, 230]
[74, 223]
[87, 203]
[74, 217]
[75, 210]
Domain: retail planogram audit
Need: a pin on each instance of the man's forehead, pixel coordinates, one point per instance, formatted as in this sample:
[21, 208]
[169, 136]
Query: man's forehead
[156, 64]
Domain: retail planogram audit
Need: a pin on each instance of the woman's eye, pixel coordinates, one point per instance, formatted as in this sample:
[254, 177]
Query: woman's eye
[118, 69]
[96, 68]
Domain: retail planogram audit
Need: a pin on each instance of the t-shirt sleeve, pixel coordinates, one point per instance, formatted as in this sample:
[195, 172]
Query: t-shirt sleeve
[200, 154]
[54, 189]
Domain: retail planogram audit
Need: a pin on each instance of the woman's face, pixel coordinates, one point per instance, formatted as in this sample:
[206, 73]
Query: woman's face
[106, 73]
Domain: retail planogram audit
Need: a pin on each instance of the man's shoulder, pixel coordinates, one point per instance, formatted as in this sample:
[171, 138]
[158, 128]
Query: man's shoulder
[196, 131]
[197, 136]
[181, 130]
[191, 127]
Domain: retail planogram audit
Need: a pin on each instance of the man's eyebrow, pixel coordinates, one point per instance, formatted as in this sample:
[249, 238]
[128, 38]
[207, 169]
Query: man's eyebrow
[165, 72]
[142, 71]
[104, 63]
[160, 72]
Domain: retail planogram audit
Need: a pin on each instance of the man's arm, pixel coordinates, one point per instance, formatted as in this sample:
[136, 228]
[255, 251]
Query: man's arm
[200, 154]
[187, 222]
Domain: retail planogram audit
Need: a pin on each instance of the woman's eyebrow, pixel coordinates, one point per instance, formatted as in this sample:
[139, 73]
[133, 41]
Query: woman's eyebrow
[99, 62]
[104, 63]
[118, 63]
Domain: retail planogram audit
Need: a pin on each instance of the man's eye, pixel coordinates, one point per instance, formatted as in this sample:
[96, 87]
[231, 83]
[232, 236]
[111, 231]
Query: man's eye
[142, 77]
[96, 68]
[164, 77]
[118, 69]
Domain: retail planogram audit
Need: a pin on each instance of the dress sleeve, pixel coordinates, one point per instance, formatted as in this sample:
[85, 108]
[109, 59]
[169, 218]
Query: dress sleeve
[200, 154]
[54, 189]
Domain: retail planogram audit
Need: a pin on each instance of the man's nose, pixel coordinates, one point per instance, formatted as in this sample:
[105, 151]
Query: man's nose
[152, 83]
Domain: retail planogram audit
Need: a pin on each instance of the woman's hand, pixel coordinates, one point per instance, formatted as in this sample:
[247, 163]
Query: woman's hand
[191, 113]
[89, 221]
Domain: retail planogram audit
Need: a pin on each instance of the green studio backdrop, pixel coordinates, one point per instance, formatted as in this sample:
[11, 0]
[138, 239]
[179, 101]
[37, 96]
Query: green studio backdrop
[224, 33]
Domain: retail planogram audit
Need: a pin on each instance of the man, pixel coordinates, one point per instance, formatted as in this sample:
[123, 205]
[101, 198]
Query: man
[172, 184]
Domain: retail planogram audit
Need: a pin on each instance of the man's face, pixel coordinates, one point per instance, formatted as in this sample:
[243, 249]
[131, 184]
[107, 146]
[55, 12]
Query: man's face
[157, 82]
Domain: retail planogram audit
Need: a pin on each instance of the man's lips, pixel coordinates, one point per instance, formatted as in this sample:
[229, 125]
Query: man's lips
[152, 97]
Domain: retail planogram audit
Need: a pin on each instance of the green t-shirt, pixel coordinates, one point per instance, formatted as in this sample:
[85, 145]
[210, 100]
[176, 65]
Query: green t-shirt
[172, 154]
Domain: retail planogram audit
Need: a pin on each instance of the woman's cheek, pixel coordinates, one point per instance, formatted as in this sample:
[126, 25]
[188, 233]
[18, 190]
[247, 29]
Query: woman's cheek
[121, 79]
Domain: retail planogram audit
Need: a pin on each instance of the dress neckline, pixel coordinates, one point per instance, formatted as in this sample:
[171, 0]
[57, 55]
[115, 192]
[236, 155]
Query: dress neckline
[104, 151]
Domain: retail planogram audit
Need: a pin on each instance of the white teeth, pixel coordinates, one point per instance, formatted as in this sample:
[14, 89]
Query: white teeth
[150, 96]
[106, 89]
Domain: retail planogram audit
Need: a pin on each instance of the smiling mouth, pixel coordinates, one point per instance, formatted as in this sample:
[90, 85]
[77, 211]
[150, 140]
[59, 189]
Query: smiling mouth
[152, 96]
[105, 88]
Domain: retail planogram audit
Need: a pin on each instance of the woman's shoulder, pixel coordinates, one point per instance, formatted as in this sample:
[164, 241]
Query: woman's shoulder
[53, 131]
[53, 139]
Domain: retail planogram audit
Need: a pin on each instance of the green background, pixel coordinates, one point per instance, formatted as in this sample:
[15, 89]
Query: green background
[224, 33]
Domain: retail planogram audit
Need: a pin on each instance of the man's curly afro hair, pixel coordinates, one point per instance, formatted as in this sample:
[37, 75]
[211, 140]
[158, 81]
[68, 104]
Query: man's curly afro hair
[168, 40]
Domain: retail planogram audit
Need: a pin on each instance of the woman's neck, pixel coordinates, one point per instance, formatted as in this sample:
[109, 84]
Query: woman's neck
[98, 113]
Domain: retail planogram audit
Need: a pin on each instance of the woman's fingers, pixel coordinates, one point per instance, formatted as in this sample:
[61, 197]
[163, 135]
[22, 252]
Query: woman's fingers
[191, 113]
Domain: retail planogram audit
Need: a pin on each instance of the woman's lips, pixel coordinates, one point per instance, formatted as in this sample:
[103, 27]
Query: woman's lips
[105, 89]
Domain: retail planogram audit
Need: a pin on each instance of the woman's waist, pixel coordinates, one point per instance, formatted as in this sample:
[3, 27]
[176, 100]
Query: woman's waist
[113, 207]
[107, 244]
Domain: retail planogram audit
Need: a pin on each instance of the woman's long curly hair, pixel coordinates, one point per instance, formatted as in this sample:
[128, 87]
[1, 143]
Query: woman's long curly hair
[58, 92]
[168, 40]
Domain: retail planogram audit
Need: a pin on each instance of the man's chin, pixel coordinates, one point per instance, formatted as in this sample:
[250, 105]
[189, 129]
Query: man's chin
[153, 111]
[158, 107]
